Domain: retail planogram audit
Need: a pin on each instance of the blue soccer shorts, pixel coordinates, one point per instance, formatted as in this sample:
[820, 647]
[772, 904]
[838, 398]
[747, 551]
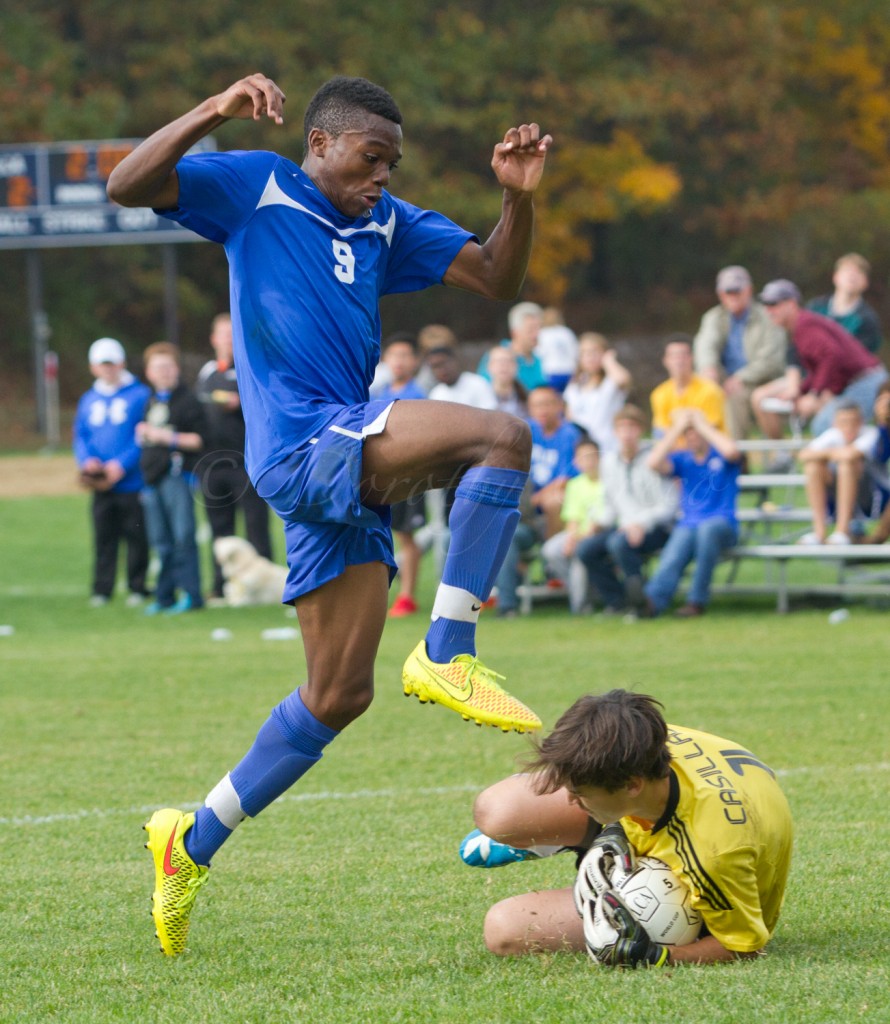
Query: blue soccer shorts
[316, 492]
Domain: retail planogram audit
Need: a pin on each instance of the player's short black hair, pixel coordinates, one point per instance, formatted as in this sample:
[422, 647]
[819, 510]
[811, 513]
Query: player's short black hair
[339, 106]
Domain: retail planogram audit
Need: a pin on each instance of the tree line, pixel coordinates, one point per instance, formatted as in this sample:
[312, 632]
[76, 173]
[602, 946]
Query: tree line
[687, 136]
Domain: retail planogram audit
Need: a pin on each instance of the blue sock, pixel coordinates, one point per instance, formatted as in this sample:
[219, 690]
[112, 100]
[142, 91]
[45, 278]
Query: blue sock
[289, 743]
[482, 522]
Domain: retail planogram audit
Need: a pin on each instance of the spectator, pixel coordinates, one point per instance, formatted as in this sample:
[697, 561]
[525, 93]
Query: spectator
[581, 509]
[879, 466]
[430, 337]
[598, 389]
[846, 304]
[557, 349]
[171, 435]
[524, 321]
[708, 474]
[503, 374]
[837, 467]
[108, 458]
[827, 366]
[684, 389]
[738, 347]
[225, 485]
[553, 449]
[400, 357]
[455, 385]
[639, 507]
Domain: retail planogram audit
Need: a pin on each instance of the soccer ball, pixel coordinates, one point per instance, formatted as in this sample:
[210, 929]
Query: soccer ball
[660, 901]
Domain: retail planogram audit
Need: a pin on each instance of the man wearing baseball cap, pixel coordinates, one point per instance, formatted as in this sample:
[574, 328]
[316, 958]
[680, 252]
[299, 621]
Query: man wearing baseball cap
[738, 346]
[827, 366]
[108, 458]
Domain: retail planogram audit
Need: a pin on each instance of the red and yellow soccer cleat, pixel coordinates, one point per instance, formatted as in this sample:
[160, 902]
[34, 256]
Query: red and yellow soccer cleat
[178, 878]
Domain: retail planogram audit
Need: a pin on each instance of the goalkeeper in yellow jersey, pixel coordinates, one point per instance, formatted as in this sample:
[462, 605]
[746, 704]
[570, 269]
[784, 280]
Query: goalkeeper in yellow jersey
[614, 778]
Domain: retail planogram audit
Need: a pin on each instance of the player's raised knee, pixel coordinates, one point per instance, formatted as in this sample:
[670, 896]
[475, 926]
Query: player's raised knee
[510, 442]
[494, 818]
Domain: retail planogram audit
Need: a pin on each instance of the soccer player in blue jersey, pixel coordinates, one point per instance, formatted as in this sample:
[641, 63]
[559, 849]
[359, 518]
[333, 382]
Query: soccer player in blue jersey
[311, 249]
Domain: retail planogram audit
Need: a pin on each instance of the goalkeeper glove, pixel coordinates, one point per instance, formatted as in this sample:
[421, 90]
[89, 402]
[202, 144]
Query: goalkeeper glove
[609, 859]
[615, 938]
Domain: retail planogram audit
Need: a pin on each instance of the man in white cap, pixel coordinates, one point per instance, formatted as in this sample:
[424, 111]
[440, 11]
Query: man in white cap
[738, 346]
[827, 366]
[108, 459]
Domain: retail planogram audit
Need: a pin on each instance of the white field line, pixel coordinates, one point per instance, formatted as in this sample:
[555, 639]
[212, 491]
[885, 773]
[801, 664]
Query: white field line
[363, 794]
[299, 798]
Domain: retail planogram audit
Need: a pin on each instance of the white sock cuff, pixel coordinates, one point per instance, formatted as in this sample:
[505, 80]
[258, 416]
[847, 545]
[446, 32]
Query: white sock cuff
[224, 802]
[454, 603]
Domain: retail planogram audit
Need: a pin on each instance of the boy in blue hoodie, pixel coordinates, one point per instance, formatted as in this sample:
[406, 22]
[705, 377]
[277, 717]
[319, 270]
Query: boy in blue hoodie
[108, 458]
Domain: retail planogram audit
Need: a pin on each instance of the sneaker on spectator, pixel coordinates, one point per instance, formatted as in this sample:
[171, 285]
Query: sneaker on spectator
[839, 538]
[98, 601]
[810, 540]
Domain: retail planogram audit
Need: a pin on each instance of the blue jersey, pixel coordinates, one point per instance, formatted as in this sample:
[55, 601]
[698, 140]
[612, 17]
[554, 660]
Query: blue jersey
[105, 428]
[552, 457]
[305, 285]
[709, 488]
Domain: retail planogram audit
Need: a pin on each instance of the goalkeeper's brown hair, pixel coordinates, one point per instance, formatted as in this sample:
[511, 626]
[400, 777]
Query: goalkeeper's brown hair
[603, 741]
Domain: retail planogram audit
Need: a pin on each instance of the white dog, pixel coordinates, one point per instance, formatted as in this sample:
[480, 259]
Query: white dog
[250, 578]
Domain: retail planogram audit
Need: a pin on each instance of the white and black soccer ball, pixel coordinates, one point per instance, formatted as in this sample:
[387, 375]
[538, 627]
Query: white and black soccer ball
[660, 901]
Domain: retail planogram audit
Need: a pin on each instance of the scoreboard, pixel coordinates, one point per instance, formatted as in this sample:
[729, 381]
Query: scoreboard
[53, 195]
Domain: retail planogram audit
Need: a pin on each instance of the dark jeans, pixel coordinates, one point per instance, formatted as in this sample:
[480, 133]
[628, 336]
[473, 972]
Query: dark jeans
[118, 517]
[170, 518]
[607, 554]
[226, 487]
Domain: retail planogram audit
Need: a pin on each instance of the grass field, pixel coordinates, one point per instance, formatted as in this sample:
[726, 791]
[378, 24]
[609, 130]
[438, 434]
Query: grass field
[346, 901]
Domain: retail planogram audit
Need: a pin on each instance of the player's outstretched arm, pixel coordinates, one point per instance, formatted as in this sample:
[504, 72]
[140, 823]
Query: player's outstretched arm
[147, 177]
[497, 268]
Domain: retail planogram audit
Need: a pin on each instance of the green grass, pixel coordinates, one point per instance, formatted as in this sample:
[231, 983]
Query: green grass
[346, 901]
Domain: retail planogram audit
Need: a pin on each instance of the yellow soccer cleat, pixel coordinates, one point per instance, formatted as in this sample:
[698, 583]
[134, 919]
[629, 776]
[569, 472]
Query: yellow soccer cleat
[178, 878]
[466, 686]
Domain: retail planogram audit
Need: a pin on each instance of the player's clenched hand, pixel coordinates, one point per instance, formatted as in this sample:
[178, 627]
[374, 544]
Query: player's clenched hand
[518, 161]
[631, 946]
[251, 98]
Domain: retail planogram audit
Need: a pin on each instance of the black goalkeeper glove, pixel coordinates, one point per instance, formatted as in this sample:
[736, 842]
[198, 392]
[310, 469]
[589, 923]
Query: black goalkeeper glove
[615, 938]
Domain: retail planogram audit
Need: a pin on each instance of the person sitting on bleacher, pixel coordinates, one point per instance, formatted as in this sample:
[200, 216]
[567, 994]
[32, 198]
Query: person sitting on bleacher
[738, 346]
[639, 508]
[827, 365]
[708, 472]
[880, 465]
[836, 465]
[847, 305]
[684, 389]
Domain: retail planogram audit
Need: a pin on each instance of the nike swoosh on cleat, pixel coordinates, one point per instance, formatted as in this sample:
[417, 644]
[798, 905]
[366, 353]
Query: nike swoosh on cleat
[457, 693]
[168, 866]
